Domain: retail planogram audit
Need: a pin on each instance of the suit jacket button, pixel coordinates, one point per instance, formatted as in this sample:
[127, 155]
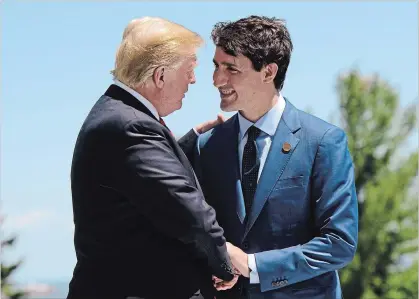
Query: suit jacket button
[245, 245]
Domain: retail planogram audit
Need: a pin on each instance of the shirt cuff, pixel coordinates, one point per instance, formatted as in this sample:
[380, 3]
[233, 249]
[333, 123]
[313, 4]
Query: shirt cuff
[254, 276]
[197, 134]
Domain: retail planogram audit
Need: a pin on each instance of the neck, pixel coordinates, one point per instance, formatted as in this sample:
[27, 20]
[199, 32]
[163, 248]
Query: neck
[150, 95]
[259, 108]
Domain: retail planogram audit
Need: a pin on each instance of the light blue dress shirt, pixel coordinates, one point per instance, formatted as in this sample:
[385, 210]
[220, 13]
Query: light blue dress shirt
[267, 125]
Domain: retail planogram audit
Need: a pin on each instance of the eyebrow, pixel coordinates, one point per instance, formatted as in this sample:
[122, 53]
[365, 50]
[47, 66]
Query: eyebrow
[224, 63]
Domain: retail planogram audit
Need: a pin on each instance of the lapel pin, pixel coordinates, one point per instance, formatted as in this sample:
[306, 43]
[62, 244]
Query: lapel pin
[286, 147]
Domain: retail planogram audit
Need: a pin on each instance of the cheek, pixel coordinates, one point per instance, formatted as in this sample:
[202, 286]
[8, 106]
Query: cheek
[179, 90]
[184, 86]
[177, 87]
[243, 87]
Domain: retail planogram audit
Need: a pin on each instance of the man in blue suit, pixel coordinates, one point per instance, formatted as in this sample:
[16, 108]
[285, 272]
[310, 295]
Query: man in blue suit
[281, 180]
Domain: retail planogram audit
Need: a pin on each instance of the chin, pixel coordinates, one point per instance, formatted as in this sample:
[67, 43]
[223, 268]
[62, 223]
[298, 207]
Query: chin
[226, 107]
[177, 107]
[229, 105]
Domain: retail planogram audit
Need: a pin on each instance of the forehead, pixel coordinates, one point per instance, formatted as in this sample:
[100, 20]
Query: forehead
[189, 62]
[221, 57]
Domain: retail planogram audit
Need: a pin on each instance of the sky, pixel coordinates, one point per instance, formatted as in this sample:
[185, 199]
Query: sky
[55, 64]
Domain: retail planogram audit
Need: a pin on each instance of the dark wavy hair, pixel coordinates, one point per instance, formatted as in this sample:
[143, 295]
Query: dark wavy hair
[261, 39]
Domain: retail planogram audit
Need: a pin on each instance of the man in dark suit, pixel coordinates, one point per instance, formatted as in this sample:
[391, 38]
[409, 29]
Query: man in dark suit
[280, 180]
[142, 226]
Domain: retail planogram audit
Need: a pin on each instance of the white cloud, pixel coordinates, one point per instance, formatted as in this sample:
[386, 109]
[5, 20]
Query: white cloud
[28, 219]
[38, 289]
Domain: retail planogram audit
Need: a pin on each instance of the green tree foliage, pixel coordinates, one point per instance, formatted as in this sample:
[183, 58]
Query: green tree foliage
[7, 289]
[378, 133]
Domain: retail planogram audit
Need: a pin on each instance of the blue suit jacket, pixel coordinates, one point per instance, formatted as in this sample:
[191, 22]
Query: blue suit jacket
[303, 226]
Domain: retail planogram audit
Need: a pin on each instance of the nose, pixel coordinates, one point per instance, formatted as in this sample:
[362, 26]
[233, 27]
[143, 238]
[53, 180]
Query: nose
[219, 79]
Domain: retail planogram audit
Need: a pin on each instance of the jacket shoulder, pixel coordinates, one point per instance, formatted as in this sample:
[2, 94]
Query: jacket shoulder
[109, 113]
[317, 127]
[217, 134]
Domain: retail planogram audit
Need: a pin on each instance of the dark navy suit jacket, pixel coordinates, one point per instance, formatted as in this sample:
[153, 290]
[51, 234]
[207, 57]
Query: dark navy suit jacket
[303, 226]
[142, 227]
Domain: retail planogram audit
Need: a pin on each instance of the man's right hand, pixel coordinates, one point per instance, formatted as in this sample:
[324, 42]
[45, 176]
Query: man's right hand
[239, 259]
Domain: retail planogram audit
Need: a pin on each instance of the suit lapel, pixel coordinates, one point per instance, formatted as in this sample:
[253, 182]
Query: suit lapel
[120, 94]
[276, 161]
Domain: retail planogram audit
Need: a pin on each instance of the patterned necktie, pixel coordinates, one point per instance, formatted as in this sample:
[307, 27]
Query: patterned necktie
[164, 124]
[250, 168]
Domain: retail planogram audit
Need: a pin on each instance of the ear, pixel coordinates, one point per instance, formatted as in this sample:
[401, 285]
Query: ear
[159, 76]
[269, 72]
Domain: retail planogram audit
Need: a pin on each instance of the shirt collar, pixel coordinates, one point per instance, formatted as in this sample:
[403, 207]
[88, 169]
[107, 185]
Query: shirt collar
[267, 123]
[139, 97]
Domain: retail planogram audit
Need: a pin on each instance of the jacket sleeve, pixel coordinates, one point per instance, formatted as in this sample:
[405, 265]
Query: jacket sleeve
[336, 218]
[188, 143]
[151, 170]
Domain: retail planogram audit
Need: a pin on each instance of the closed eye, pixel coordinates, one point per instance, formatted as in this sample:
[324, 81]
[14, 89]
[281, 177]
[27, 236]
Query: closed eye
[228, 66]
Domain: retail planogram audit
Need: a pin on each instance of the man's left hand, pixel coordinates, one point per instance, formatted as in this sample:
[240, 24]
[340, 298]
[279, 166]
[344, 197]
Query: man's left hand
[239, 259]
[202, 128]
[222, 285]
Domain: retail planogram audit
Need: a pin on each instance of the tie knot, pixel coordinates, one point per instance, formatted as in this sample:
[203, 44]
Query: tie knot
[253, 133]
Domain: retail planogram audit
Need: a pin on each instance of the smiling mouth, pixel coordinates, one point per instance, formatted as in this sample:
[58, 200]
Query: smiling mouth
[226, 92]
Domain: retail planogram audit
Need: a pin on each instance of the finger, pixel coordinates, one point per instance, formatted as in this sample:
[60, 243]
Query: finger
[223, 287]
[220, 118]
[223, 283]
[219, 282]
[210, 124]
[236, 271]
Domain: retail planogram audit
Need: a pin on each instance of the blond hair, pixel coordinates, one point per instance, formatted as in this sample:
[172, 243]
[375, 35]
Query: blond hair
[148, 43]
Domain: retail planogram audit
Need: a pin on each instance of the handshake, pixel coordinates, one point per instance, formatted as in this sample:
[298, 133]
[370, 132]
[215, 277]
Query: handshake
[240, 264]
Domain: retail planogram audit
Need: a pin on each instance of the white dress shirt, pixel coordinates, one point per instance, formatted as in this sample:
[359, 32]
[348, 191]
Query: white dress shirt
[267, 125]
[139, 97]
[143, 100]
